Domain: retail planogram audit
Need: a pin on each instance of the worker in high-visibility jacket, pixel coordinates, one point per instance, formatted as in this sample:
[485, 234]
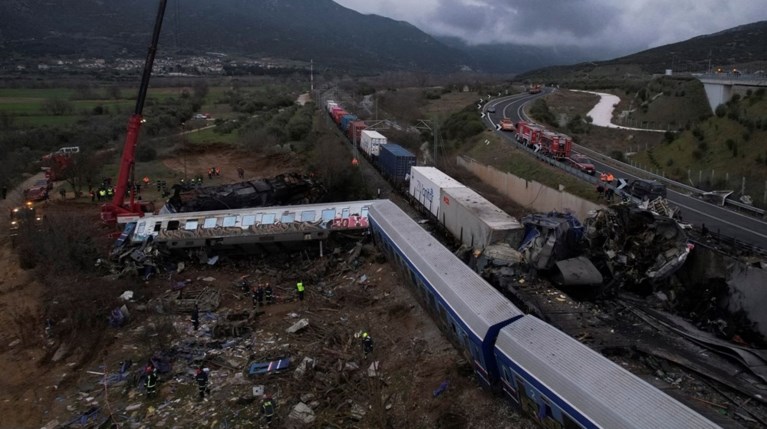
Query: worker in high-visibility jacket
[367, 344]
[267, 409]
[300, 289]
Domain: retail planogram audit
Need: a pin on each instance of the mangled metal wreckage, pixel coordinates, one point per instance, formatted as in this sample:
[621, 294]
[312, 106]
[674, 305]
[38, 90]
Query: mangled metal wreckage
[209, 233]
[284, 189]
[619, 245]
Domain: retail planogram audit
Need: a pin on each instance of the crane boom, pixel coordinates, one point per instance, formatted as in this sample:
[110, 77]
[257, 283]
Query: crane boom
[118, 208]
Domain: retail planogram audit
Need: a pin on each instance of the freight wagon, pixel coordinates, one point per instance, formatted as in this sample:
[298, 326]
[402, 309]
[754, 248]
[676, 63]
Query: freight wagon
[371, 141]
[426, 183]
[475, 221]
[395, 162]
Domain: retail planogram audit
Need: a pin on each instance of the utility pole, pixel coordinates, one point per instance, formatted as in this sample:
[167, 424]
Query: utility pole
[311, 75]
[433, 126]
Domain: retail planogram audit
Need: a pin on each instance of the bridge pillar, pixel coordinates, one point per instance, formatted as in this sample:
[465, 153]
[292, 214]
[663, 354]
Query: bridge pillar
[717, 93]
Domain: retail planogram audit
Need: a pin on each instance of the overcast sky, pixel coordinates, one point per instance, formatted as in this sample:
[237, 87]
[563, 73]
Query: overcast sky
[624, 26]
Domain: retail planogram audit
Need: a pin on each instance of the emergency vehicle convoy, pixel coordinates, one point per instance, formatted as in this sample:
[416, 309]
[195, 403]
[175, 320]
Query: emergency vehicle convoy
[552, 144]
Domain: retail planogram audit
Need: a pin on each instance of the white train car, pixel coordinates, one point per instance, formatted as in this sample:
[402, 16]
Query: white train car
[251, 225]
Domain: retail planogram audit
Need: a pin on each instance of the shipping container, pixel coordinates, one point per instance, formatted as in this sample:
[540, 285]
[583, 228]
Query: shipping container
[475, 221]
[346, 120]
[330, 104]
[426, 184]
[337, 114]
[371, 141]
[395, 162]
[354, 133]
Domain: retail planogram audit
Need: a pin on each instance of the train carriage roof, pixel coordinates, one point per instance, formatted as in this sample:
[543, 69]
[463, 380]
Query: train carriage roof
[607, 394]
[479, 304]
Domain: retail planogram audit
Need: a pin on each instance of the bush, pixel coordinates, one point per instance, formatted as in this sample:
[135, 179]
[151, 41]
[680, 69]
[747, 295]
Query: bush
[145, 153]
[540, 111]
[720, 111]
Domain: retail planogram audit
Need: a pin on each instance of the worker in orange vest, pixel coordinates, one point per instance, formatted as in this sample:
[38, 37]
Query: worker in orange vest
[145, 180]
[610, 177]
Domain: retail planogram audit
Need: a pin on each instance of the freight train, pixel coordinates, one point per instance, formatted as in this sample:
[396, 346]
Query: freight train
[553, 378]
[391, 159]
[470, 218]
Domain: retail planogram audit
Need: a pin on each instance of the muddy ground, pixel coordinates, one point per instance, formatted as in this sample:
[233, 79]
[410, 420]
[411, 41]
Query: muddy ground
[82, 387]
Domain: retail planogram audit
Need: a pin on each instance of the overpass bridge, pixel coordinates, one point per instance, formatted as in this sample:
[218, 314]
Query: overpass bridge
[720, 87]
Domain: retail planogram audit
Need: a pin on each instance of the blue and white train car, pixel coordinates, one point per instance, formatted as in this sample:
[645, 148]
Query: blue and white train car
[468, 309]
[564, 384]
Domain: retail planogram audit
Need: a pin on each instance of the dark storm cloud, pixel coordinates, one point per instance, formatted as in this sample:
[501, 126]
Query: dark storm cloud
[615, 25]
[547, 19]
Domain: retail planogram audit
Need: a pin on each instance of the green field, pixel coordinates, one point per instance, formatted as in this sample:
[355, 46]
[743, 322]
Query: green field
[208, 136]
[27, 105]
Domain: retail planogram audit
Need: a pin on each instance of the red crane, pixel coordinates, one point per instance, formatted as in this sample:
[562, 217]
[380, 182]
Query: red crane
[119, 209]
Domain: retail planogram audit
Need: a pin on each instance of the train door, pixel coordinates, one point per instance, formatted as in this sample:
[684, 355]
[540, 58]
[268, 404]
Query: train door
[528, 404]
[508, 384]
[546, 415]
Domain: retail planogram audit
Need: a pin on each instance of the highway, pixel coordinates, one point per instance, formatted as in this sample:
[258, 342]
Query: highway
[695, 211]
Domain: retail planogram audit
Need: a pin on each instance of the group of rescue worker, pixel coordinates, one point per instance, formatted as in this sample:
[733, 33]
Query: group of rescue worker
[201, 374]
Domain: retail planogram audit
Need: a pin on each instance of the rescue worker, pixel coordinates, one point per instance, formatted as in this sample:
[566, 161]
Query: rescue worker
[145, 180]
[201, 377]
[196, 317]
[93, 195]
[151, 382]
[267, 409]
[240, 173]
[610, 177]
[609, 194]
[258, 297]
[367, 344]
[600, 191]
[268, 293]
[102, 193]
[603, 177]
[300, 289]
[218, 171]
[110, 192]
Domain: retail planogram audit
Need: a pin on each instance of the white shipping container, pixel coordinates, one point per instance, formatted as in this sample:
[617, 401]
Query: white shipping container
[426, 184]
[330, 104]
[475, 221]
[371, 141]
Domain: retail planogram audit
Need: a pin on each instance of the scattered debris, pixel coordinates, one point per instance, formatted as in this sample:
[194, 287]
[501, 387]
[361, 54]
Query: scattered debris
[301, 324]
[302, 413]
[258, 368]
[442, 387]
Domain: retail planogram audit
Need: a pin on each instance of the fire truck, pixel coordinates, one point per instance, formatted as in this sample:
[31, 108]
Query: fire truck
[556, 145]
[528, 134]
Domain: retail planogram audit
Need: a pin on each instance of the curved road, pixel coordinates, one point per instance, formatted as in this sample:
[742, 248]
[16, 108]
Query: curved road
[717, 219]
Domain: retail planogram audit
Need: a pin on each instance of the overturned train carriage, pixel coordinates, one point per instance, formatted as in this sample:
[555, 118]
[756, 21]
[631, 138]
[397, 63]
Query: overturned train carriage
[468, 309]
[243, 227]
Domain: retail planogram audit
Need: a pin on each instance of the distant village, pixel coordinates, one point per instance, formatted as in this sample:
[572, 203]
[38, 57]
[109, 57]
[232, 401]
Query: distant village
[213, 63]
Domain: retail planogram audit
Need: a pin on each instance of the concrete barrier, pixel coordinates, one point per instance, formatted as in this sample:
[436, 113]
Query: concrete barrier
[528, 193]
